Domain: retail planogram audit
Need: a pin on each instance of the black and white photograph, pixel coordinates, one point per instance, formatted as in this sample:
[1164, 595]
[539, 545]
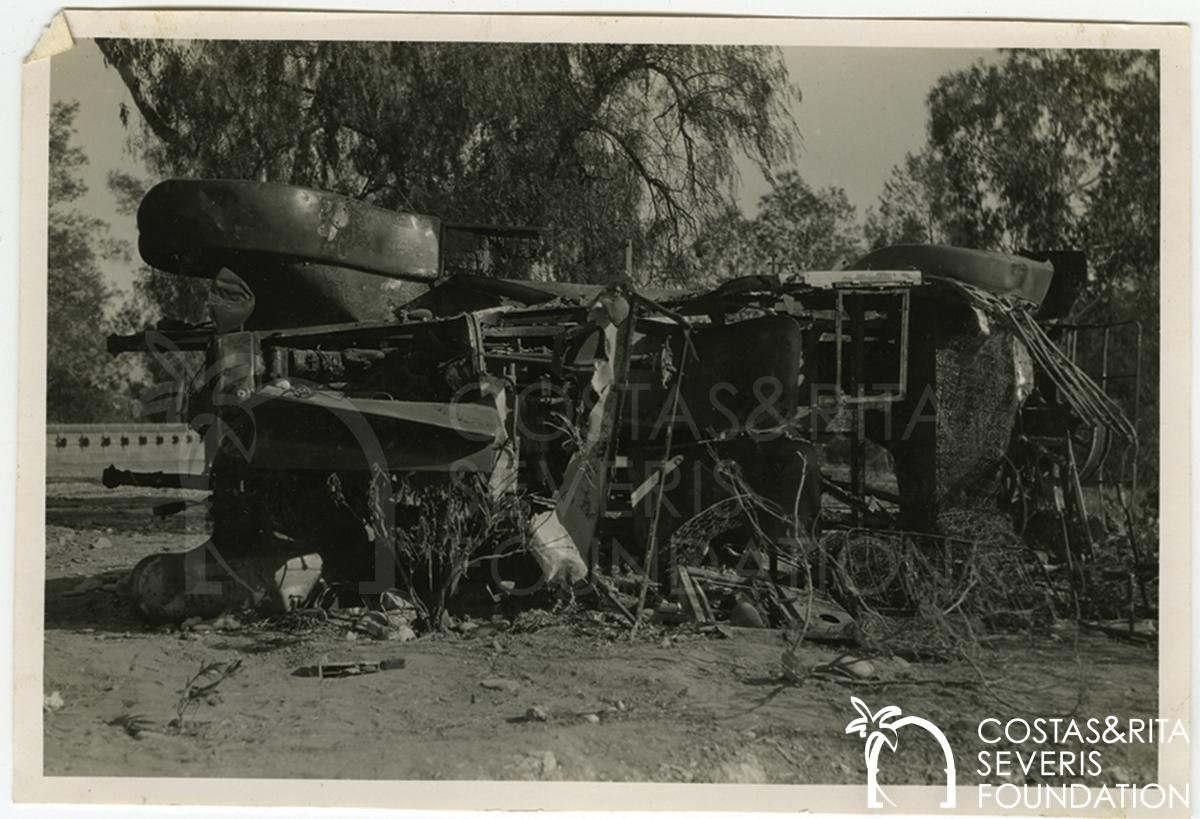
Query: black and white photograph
[621, 408]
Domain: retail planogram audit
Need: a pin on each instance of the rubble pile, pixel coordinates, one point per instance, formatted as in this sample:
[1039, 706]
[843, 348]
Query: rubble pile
[896, 451]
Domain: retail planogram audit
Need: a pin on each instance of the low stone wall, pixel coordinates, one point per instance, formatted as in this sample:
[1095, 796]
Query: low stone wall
[84, 450]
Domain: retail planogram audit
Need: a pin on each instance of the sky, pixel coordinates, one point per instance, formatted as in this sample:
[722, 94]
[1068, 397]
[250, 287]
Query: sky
[862, 110]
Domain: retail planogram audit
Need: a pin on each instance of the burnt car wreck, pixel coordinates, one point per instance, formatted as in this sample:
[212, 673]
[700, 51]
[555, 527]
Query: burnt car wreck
[380, 401]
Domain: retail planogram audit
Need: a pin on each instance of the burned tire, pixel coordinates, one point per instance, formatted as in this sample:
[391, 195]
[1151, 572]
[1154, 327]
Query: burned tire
[158, 589]
[169, 588]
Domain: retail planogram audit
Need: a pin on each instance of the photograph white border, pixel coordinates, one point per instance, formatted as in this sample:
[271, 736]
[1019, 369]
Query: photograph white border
[29, 783]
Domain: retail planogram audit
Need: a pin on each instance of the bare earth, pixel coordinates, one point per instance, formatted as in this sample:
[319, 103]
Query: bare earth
[672, 705]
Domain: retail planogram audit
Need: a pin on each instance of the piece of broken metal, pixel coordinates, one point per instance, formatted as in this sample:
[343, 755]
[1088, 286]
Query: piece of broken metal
[348, 668]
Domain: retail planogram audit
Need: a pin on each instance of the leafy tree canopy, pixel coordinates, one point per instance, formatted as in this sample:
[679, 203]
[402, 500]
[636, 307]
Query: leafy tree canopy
[1042, 150]
[83, 383]
[797, 228]
[602, 144]
[804, 228]
[910, 206]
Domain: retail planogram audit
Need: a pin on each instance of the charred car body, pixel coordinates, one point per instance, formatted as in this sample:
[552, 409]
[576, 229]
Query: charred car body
[352, 366]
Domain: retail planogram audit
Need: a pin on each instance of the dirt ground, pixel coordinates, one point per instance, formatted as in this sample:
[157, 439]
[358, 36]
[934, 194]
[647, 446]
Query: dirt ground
[672, 705]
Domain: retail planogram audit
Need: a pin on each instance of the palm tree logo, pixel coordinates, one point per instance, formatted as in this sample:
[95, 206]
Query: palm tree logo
[879, 729]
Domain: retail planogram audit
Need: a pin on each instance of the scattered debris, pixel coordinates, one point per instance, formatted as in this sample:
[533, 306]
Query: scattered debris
[295, 581]
[465, 627]
[745, 615]
[771, 636]
[349, 668]
[670, 613]
[133, 724]
[536, 713]
[487, 499]
[225, 622]
[621, 602]
[394, 600]
[390, 625]
[696, 600]
[318, 614]
[849, 667]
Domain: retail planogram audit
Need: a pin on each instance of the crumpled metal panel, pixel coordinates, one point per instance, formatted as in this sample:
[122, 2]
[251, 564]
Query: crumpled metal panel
[221, 216]
[294, 293]
[463, 292]
[1000, 273]
[298, 429]
[562, 537]
[745, 375]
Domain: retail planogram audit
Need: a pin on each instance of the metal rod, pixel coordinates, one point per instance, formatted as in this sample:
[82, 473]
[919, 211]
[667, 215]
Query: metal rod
[114, 477]
[905, 302]
[1077, 488]
[652, 547]
[857, 443]
[1134, 546]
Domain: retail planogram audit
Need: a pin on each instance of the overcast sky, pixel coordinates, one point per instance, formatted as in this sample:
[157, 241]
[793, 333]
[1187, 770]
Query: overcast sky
[862, 110]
